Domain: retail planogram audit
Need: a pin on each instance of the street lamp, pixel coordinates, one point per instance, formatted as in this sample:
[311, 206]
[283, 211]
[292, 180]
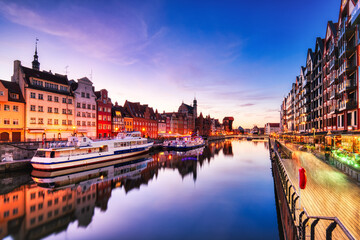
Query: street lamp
[314, 136]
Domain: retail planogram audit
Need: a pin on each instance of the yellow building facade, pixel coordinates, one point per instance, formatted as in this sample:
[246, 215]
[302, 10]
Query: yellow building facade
[12, 112]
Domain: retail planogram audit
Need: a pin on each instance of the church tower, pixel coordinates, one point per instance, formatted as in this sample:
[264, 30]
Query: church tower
[195, 108]
[35, 63]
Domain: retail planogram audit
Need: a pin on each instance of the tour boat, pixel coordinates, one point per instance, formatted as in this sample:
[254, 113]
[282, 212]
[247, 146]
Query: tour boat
[184, 143]
[86, 176]
[79, 151]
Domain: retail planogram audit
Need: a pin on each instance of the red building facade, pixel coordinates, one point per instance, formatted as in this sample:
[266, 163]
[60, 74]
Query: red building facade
[145, 120]
[104, 106]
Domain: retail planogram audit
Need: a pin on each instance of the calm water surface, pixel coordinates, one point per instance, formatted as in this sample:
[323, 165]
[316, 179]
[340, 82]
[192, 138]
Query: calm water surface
[224, 191]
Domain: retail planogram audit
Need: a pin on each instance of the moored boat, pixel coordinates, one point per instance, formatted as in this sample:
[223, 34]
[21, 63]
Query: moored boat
[184, 143]
[80, 151]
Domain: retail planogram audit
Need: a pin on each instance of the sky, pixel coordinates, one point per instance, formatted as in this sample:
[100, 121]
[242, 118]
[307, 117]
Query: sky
[238, 58]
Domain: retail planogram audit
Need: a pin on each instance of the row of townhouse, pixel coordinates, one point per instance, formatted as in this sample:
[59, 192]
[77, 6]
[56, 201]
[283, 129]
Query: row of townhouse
[325, 96]
[39, 105]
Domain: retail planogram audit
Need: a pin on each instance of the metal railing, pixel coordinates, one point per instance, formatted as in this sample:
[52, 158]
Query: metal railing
[292, 197]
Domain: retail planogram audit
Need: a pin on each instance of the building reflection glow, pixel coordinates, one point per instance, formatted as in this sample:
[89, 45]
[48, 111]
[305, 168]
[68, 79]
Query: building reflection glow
[53, 200]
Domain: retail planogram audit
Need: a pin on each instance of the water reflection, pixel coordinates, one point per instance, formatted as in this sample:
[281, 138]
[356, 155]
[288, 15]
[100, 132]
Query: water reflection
[53, 200]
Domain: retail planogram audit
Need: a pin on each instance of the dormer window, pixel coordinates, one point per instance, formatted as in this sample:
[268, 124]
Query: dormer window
[1, 93]
[14, 96]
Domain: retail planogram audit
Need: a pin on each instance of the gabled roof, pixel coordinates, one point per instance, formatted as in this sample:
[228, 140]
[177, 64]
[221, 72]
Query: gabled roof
[123, 110]
[319, 46]
[137, 110]
[13, 87]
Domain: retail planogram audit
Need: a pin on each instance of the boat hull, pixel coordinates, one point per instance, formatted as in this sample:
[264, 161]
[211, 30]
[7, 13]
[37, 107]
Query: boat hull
[49, 166]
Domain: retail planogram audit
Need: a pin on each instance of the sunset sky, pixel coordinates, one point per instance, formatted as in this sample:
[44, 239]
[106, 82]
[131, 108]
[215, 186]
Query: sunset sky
[238, 57]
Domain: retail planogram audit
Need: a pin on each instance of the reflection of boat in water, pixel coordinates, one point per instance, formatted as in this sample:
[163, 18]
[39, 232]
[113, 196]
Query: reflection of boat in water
[83, 151]
[192, 154]
[87, 175]
[184, 143]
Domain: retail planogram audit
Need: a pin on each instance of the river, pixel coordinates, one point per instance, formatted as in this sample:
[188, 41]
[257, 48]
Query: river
[222, 191]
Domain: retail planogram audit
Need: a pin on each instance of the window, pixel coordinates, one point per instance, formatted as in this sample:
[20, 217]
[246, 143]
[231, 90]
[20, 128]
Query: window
[49, 109]
[40, 218]
[78, 105]
[93, 115]
[40, 96]
[109, 118]
[32, 120]
[49, 98]
[40, 206]
[100, 126]
[32, 196]
[83, 105]
[87, 95]
[6, 107]
[78, 114]
[6, 214]
[15, 198]
[78, 123]
[83, 94]
[83, 123]
[40, 121]
[93, 124]
[69, 122]
[15, 108]
[14, 96]
[63, 122]
[56, 99]
[32, 107]
[89, 106]
[7, 121]
[56, 110]
[49, 121]
[15, 122]
[32, 95]
[32, 221]
[104, 101]
[49, 214]
[104, 118]
[38, 83]
[93, 107]
[1, 93]
[89, 123]
[100, 117]
[49, 203]
[40, 108]
[64, 100]
[69, 101]
[69, 111]
[83, 114]
[63, 111]
[56, 122]
[99, 109]
[88, 115]
[32, 208]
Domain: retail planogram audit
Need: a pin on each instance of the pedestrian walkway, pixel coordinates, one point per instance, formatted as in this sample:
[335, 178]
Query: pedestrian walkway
[329, 192]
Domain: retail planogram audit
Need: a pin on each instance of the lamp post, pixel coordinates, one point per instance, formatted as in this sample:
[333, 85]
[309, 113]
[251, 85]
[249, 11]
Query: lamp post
[314, 136]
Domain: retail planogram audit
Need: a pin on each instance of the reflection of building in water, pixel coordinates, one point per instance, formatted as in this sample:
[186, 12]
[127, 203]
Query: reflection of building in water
[85, 204]
[228, 149]
[12, 212]
[33, 212]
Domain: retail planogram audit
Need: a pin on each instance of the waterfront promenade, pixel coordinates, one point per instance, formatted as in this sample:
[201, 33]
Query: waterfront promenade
[329, 192]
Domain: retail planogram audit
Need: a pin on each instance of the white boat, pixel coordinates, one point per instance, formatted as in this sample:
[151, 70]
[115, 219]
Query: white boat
[184, 143]
[80, 151]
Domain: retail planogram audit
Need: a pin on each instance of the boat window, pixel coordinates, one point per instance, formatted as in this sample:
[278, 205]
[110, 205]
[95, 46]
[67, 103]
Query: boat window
[127, 143]
[40, 154]
[104, 148]
[52, 154]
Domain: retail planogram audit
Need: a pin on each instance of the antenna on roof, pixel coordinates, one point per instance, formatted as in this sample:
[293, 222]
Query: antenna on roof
[66, 69]
[91, 75]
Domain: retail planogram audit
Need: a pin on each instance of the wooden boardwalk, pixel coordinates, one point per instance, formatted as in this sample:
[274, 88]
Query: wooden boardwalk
[329, 192]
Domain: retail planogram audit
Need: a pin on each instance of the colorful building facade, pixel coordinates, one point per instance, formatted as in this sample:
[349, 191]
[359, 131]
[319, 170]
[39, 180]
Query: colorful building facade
[104, 107]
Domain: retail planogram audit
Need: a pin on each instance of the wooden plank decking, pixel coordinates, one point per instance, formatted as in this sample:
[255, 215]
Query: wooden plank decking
[329, 192]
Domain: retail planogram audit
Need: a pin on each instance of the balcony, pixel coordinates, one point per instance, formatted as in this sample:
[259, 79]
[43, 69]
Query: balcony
[347, 105]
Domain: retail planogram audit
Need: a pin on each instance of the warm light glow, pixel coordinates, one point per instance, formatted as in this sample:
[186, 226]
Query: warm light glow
[143, 129]
[74, 127]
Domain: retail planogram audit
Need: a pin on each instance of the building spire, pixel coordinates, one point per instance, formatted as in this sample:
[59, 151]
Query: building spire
[35, 63]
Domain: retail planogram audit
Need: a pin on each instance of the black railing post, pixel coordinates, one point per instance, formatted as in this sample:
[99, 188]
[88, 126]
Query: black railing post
[294, 206]
[312, 230]
[292, 202]
[303, 230]
[330, 229]
[289, 193]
